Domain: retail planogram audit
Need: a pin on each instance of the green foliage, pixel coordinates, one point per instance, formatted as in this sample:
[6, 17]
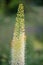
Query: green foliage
[39, 33]
[13, 3]
[9, 6]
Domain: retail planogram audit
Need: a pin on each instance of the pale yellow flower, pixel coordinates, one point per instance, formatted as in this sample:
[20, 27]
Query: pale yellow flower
[18, 42]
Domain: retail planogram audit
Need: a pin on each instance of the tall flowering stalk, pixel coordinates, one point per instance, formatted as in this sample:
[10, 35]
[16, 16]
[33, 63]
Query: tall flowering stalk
[18, 42]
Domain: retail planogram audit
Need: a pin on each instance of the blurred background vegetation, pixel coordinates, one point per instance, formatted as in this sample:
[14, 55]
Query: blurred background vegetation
[33, 26]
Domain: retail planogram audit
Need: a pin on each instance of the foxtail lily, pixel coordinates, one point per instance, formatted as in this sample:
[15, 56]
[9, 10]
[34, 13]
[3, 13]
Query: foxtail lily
[18, 41]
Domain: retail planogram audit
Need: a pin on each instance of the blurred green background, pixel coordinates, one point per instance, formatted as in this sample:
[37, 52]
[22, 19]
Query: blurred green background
[33, 25]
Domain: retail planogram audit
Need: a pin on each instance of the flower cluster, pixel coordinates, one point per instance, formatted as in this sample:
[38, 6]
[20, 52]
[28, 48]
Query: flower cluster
[18, 41]
[19, 26]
